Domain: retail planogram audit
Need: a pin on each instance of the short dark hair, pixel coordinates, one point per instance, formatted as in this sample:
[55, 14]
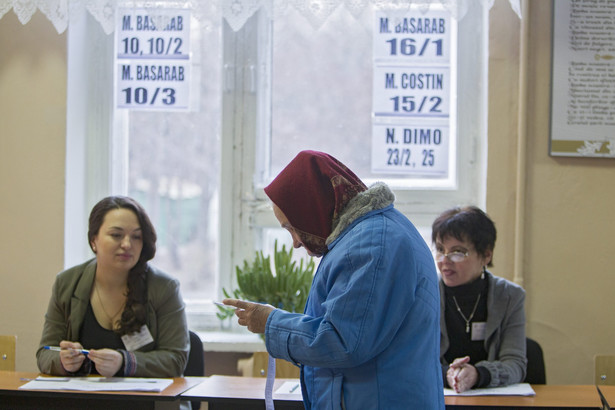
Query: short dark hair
[133, 316]
[468, 223]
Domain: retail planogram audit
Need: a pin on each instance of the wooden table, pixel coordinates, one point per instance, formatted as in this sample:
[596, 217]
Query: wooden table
[547, 397]
[239, 393]
[13, 398]
[235, 393]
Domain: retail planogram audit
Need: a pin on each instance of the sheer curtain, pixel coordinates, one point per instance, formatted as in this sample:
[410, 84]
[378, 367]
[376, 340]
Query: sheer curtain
[235, 12]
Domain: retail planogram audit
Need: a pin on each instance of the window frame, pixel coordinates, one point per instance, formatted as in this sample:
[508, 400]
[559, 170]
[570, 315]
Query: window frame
[96, 163]
[420, 205]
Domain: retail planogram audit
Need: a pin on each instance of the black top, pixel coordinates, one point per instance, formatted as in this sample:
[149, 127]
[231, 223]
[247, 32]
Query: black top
[93, 336]
[461, 342]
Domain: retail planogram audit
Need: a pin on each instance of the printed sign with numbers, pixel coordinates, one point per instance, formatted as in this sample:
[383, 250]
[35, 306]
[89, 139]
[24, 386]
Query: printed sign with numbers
[413, 37]
[421, 150]
[413, 85]
[417, 91]
[153, 59]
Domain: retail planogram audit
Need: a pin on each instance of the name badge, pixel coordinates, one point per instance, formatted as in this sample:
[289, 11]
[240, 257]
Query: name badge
[136, 340]
[478, 331]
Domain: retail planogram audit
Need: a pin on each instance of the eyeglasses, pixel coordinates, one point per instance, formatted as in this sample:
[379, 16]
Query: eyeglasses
[456, 256]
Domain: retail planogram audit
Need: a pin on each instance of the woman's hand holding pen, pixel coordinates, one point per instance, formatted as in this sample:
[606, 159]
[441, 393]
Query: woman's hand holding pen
[107, 361]
[70, 355]
[461, 375]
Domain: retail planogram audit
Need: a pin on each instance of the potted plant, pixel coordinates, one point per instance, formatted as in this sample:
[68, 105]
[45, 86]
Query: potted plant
[286, 287]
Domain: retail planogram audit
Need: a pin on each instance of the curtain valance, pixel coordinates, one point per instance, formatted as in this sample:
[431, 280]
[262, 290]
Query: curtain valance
[235, 12]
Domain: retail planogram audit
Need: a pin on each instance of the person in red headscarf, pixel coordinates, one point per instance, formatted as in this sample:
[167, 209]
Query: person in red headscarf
[370, 333]
[313, 190]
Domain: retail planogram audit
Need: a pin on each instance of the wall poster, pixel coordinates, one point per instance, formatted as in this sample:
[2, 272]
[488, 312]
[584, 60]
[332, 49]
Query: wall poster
[583, 79]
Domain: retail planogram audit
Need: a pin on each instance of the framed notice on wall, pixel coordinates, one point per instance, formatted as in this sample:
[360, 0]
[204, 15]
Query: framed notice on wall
[583, 79]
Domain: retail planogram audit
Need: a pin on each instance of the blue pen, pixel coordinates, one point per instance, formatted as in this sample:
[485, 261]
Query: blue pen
[58, 349]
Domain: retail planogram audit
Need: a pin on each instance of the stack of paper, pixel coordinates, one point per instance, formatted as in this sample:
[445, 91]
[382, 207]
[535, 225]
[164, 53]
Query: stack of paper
[97, 384]
[519, 389]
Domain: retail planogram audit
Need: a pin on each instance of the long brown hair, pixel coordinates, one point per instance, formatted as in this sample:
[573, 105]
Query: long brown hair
[133, 316]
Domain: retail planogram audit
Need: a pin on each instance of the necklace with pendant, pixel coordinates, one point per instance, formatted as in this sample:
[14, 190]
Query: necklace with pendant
[105, 310]
[467, 320]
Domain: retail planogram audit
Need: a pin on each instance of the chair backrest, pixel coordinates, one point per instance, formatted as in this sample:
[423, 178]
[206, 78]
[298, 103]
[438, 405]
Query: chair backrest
[536, 373]
[7, 352]
[196, 359]
[196, 362]
[604, 369]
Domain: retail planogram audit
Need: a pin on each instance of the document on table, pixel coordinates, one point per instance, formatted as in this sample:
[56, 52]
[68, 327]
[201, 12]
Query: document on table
[97, 384]
[519, 389]
[290, 387]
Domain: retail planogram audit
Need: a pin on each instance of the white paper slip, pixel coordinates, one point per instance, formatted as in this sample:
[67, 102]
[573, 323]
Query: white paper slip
[98, 384]
[291, 387]
[519, 389]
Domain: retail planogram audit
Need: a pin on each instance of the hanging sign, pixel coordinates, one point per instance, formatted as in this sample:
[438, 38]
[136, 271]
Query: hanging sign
[412, 92]
[153, 59]
[420, 91]
[410, 150]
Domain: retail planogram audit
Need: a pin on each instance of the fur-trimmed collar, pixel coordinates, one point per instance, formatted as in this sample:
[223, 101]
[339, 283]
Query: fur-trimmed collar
[377, 196]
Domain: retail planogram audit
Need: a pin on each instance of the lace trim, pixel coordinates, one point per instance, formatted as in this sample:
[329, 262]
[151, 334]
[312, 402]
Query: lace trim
[235, 12]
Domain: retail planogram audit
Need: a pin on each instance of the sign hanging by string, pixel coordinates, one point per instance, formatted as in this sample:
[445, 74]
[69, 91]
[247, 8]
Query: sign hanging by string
[413, 84]
[152, 53]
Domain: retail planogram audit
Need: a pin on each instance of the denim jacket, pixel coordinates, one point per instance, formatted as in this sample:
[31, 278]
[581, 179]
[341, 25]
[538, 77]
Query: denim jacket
[369, 336]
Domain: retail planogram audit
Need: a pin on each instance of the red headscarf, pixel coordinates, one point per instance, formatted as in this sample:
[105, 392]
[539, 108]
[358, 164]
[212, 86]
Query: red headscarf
[311, 191]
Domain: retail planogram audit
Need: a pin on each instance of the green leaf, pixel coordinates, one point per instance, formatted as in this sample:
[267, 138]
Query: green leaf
[286, 288]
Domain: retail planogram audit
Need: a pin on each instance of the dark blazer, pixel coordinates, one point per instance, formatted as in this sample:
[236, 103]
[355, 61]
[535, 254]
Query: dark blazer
[504, 335]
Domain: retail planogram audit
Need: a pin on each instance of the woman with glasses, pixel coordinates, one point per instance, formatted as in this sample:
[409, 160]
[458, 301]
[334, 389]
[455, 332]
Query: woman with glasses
[482, 316]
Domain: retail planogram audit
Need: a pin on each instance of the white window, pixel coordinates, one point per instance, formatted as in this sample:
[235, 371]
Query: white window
[266, 91]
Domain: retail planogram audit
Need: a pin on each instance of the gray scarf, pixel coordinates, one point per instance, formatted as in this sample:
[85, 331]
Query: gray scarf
[377, 196]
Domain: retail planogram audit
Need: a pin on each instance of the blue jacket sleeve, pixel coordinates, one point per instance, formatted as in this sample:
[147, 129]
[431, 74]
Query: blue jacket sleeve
[362, 292]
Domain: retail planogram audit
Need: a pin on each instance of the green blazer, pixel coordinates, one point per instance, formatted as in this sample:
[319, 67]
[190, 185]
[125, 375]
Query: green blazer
[166, 356]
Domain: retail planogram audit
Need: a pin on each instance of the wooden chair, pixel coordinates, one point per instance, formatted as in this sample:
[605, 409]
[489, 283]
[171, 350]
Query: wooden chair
[604, 369]
[7, 352]
[256, 366]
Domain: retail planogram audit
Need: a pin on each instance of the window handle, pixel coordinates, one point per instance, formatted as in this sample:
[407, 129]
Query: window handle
[252, 78]
[229, 77]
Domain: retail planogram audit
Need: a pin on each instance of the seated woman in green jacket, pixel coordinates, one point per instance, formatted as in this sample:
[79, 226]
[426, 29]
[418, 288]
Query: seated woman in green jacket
[115, 315]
